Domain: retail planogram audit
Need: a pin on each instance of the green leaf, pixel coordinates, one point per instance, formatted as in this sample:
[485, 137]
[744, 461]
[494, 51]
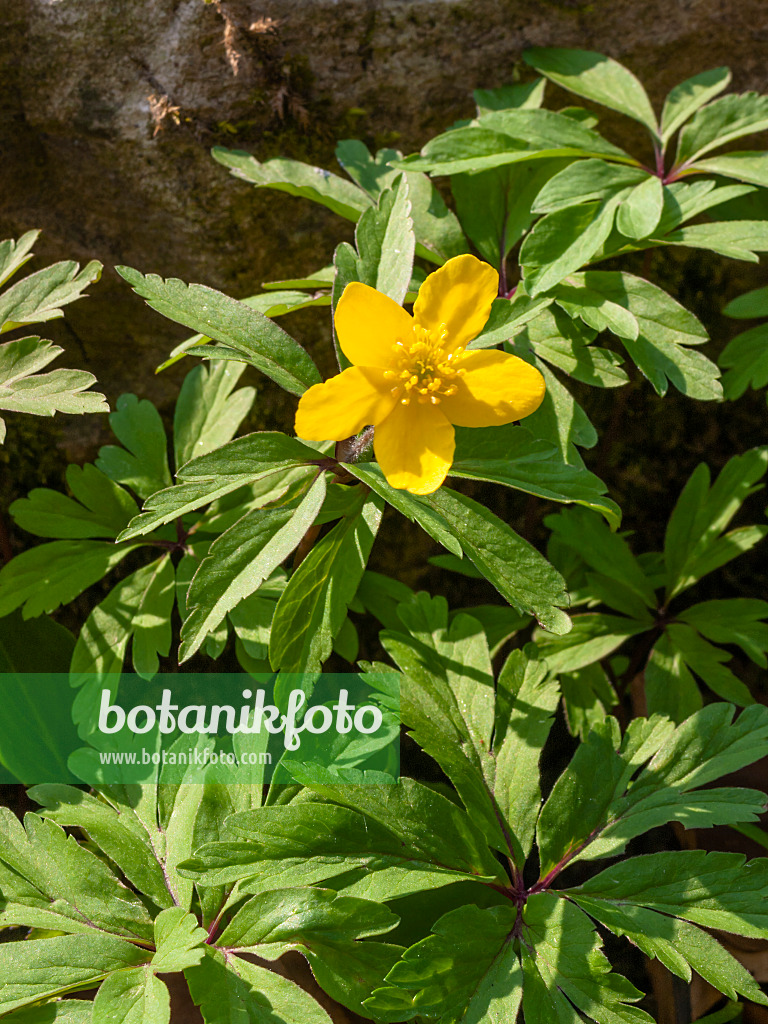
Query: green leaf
[584, 181]
[14, 254]
[685, 99]
[372, 174]
[509, 455]
[207, 414]
[745, 359]
[142, 464]
[706, 661]
[670, 688]
[139, 606]
[564, 241]
[596, 78]
[309, 842]
[526, 702]
[30, 971]
[726, 119]
[313, 606]
[233, 989]
[32, 646]
[736, 239]
[46, 576]
[465, 971]
[640, 212]
[325, 927]
[679, 945]
[588, 697]
[56, 883]
[736, 620]
[266, 458]
[603, 550]
[98, 508]
[129, 996]
[496, 206]
[385, 242]
[749, 166]
[517, 570]
[39, 297]
[252, 336]
[179, 941]
[665, 363]
[692, 538]
[528, 95]
[564, 967]
[23, 389]
[241, 559]
[714, 890]
[751, 304]
[593, 637]
[121, 836]
[68, 1011]
[297, 179]
[410, 506]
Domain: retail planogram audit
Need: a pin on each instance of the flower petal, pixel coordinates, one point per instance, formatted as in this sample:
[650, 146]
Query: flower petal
[369, 324]
[458, 295]
[414, 446]
[345, 404]
[495, 388]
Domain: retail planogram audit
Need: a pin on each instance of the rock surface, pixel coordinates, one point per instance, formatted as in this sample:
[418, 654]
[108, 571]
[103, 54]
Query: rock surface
[108, 111]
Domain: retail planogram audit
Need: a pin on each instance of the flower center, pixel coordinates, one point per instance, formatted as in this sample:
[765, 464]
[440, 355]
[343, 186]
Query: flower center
[424, 370]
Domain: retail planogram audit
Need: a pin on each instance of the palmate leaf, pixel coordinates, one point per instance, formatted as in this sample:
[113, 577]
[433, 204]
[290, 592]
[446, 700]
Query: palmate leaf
[721, 121]
[207, 413]
[24, 389]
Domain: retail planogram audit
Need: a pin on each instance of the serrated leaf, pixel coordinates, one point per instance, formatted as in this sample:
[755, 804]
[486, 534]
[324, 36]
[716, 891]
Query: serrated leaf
[593, 637]
[509, 455]
[23, 389]
[563, 966]
[30, 971]
[14, 254]
[736, 239]
[121, 836]
[39, 297]
[597, 78]
[253, 337]
[241, 559]
[465, 971]
[179, 941]
[745, 360]
[701, 514]
[517, 570]
[314, 605]
[385, 243]
[297, 179]
[735, 620]
[136, 996]
[270, 459]
[751, 167]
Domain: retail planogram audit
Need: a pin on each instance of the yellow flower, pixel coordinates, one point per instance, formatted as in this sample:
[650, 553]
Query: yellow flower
[412, 377]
